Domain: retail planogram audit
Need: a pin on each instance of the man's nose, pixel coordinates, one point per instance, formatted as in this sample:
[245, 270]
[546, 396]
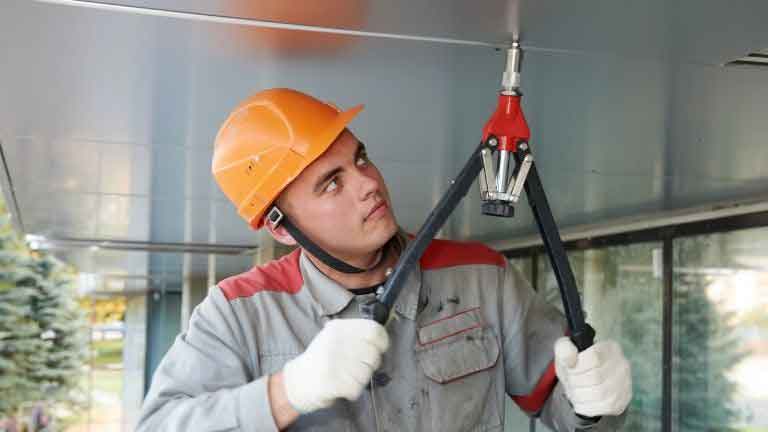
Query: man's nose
[368, 184]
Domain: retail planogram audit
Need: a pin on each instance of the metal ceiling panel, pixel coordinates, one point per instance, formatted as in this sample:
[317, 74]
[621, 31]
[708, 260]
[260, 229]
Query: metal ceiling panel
[495, 22]
[107, 117]
[709, 31]
[693, 31]
[110, 117]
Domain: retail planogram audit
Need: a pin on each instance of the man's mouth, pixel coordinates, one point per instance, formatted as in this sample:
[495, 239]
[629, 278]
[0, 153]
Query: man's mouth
[376, 210]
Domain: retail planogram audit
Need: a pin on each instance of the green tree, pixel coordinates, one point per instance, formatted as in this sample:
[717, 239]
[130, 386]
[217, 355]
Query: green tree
[707, 345]
[42, 330]
[635, 309]
[625, 300]
[629, 310]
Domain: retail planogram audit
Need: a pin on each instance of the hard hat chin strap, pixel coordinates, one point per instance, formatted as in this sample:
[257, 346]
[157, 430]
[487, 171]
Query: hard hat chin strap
[277, 217]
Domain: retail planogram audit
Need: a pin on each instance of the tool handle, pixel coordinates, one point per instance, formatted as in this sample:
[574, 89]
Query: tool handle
[374, 310]
[583, 339]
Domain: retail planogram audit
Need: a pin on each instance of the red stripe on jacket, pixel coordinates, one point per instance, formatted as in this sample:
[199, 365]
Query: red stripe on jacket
[282, 275]
[534, 401]
[446, 253]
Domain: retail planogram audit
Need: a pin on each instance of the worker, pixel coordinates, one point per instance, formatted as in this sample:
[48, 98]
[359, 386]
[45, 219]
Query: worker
[283, 345]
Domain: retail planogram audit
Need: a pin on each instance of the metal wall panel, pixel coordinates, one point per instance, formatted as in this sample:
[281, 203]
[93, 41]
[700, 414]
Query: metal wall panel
[110, 117]
[107, 118]
[616, 137]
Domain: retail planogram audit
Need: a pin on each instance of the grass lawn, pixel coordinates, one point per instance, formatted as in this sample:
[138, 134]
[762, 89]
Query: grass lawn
[107, 352]
[108, 381]
[106, 390]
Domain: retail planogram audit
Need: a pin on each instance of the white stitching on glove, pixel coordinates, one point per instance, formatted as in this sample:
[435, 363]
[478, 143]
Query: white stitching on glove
[597, 381]
[338, 363]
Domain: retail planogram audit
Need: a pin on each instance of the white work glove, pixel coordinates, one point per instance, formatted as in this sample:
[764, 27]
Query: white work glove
[338, 363]
[597, 381]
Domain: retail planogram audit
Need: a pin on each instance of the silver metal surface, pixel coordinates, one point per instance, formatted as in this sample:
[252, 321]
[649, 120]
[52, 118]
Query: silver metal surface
[482, 182]
[489, 172]
[275, 216]
[510, 81]
[501, 175]
[654, 29]
[251, 22]
[522, 175]
[37, 242]
[107, 121]
[431, 20]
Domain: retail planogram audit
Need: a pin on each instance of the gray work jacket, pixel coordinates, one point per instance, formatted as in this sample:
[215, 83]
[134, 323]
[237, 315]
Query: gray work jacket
[467, 331]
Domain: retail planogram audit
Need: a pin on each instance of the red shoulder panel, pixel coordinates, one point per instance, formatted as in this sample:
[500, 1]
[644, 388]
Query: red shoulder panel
[533, 402]
[446, 253]
[281, 275]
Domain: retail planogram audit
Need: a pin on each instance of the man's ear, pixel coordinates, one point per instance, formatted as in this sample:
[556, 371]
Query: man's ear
[279, 233]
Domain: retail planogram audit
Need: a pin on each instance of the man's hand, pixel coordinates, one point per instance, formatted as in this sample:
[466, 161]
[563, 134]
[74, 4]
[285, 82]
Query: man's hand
[598, 381]
[338, 363]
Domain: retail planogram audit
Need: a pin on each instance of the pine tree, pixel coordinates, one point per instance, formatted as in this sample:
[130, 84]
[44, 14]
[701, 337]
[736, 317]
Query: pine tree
[705, 341]
[636, 296]
[20, 343]
[42, 330]
[707, 348]
[63, 327]
[705, 344]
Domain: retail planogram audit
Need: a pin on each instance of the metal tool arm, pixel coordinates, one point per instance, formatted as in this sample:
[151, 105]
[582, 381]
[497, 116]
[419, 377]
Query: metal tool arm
[582, 333]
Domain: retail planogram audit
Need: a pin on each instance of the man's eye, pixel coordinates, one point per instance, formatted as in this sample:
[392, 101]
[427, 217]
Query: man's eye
[332, 186]
[362, 159]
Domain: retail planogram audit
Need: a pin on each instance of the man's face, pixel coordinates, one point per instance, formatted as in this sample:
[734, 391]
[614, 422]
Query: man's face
[340, 201]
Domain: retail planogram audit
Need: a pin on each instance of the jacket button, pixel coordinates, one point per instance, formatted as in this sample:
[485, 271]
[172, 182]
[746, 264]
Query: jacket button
[381, 379]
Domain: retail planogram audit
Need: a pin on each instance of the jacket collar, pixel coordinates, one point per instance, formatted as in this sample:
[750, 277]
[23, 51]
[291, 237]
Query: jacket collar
[333, 298]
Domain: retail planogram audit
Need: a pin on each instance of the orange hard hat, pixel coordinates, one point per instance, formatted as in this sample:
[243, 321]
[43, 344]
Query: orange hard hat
[267, 141]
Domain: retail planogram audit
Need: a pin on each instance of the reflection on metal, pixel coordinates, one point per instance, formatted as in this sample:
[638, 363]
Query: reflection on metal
[501, 177]
[643, 222]
[510, 80]
[516, 187]
[487, 176]
[38, 242]
[220, 19]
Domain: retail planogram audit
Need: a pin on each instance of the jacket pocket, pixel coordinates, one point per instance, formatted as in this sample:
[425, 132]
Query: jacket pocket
[458, 355]
[456, 346]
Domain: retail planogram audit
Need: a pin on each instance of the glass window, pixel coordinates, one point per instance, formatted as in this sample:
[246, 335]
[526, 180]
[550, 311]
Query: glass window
[720, 342]
[105, 377]
[621, 288]
[515, 419]
[524, 265]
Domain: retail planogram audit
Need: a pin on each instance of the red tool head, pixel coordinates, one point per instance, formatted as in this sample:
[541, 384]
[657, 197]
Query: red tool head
[507, 123]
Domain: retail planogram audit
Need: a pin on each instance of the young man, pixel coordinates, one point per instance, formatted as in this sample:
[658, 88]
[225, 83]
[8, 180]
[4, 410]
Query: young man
[283, 345]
